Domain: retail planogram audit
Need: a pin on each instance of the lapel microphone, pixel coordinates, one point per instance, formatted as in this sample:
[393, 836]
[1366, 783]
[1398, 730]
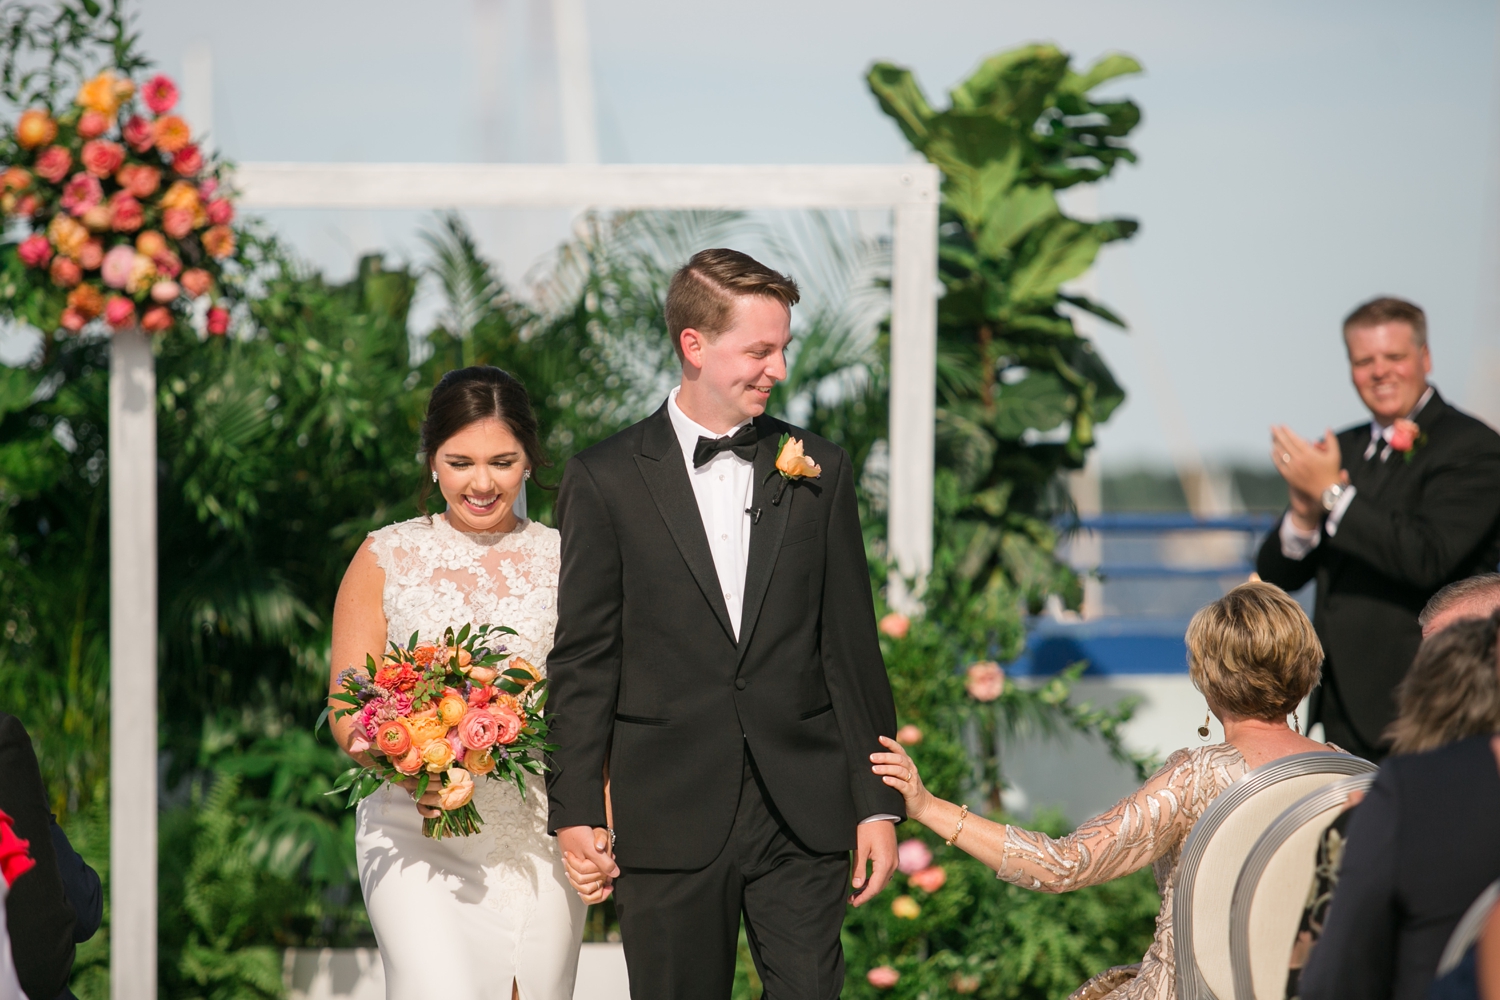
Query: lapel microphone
[754, 513]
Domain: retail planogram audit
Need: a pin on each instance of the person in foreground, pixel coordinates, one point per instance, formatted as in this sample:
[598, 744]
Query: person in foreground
[490, 914]
[1382, 515]
[717, 652]
[1425, 841]
[1254, 656]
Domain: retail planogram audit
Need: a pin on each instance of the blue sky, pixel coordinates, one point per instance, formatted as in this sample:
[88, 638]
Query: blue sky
[1296, 158]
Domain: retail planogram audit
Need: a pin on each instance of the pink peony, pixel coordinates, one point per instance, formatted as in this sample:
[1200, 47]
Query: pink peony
[929, 879]
[65, 273]
[984, 681]
[157, 319]
[912, 856]
[218, 321]
[35, 251]
[91, 124]
[882, 977]
[160, 94]
[1404, 434]
[895, 625]
[909, 735]
[80, 194]
[188, 160]
[220, 211]
[117, 266]
[119, 312]
[478, 729]
[124, 213]
[508, 724]
[102, 158]
[138, 133]
[53, 163]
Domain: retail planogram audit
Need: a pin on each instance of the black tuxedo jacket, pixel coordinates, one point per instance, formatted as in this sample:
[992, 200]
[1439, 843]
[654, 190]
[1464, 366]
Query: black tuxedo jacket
[1413, 527]
[647, 677]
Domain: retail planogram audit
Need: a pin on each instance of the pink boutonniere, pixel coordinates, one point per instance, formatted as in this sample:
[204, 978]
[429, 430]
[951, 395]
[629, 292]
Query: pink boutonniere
[1406, 437]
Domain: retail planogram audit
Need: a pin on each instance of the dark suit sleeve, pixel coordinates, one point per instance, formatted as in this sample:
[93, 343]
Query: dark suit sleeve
[1288, 574]
[36, 910]
[80, 886]
[584, 667]
[1427, 544]
[852, 664]
[1355, 957]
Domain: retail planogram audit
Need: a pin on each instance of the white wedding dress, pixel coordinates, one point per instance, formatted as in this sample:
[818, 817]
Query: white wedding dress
[460, 918]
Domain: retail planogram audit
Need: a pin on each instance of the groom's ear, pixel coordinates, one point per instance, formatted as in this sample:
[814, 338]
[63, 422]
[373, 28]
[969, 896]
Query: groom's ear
[690, 347]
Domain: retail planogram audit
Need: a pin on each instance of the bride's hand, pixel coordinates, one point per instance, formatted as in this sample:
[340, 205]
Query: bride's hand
[427, 805]
[899, 771]
[591, 884]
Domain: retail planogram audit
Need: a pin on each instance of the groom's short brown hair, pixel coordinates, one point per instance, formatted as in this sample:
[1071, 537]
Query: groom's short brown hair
[702, 293]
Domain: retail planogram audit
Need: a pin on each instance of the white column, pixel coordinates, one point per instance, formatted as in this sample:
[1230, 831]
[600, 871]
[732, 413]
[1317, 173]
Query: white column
[132, 647]
[914, 291]
[575, 82]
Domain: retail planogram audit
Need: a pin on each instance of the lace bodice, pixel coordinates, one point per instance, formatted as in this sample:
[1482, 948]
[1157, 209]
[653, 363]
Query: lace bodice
[437, 577]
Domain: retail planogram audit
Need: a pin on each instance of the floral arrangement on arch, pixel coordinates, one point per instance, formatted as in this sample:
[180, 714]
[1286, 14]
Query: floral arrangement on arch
[119, 215]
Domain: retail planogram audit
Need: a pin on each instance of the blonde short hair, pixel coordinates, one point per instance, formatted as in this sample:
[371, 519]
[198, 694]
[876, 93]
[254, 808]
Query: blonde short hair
[1253, 652]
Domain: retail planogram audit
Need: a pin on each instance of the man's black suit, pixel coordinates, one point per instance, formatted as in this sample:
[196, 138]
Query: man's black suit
[1415, 525]
[714, 745]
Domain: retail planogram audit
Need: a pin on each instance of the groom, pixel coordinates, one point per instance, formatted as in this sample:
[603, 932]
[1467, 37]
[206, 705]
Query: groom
[716, 655]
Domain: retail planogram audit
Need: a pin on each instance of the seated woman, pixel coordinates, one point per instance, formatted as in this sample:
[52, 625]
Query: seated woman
[1254, 655]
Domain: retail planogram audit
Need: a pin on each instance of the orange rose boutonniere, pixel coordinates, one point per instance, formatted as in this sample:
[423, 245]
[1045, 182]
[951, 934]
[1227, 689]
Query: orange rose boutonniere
[793, 464]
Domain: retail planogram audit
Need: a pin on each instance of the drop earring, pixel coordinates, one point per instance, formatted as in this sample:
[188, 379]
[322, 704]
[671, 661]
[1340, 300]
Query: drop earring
[1203, 729]
[1296, 722]
[434, 475]
[526, 475]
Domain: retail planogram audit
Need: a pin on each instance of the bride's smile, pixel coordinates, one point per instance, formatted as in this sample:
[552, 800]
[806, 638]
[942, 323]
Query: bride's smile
[480, 471]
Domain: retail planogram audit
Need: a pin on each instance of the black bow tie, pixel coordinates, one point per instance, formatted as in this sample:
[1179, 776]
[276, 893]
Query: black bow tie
[741, 443]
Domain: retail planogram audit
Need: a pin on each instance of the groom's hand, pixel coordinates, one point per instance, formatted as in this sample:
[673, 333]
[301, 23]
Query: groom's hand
[876, 845]
[590, 865]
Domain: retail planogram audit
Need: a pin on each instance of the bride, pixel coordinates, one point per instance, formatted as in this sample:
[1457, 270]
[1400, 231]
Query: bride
[489, 915]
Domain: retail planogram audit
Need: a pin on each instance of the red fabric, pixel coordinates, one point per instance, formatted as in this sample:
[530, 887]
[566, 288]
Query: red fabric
[15, 860]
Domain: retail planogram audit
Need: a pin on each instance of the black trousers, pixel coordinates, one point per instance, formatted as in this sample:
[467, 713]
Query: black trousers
[1327, 707]
[681, 928]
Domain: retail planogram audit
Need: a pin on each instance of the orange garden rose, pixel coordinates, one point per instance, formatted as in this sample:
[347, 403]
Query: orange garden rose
[458, 791]
[218, 241]
[92, 124]
[53, 164]
[508, 724]
[102, 158]
[478, 761]
[452, 708]
[105, 92]
[36, 128]
[65, 272]
[437, 755]
[139, 179]
[793, 463]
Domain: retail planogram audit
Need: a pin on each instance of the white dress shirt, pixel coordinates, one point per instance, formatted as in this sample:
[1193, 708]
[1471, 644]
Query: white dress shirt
[1297, 543]
[723, 487]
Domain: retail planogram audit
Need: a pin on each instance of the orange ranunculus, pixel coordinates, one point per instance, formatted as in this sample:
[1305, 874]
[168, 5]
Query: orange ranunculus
[478, 761]
[409, 762]
[86, 300]
[793, 462]
[104, 93]
[393, 738]
[67, 234]
[171, 134]
[36, 128]
[426, 652]
[458, 791]
[452, 708]
[425, 726]
[437, 755]
[16, 179]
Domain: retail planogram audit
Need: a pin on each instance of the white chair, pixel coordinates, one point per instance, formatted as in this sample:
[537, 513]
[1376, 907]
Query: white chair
[1215, 851]
[1469, 926]
[1271, 891]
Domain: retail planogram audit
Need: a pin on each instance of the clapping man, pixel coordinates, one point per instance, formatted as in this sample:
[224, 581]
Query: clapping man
[1383, 515]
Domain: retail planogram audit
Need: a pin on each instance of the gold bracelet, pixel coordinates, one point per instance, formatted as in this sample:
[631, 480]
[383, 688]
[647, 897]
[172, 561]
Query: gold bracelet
[959, 828]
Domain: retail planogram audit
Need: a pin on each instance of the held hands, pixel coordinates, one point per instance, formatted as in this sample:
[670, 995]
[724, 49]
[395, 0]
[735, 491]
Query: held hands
[899, 771]
[589, 861]
[1309, 468]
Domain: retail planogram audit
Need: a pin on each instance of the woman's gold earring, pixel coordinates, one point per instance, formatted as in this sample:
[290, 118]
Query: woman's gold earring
[1203, 729]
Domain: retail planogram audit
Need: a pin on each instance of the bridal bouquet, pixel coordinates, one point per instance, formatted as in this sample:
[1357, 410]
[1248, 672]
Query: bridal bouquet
[448, 712]
[115, 216]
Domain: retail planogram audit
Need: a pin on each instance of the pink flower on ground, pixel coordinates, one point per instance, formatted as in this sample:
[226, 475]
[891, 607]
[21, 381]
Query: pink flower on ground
[1404, 434]
[117, 266]
[119, 312]
[882, 977]
[909, 735]
[218, 321]
[479, 729]
[35, 251]
[912, 856]
[101, 157]
[984, 681]
[508, 724]
[92, 124]
[929, 879]
[895, 625]
[80, 194]
[160, 94]
[138, 133]
[53, 163]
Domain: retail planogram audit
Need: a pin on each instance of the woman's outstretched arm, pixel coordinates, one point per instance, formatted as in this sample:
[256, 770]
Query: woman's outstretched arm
[1139, 829]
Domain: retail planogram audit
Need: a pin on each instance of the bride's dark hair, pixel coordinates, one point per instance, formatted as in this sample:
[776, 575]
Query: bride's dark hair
[466, 396]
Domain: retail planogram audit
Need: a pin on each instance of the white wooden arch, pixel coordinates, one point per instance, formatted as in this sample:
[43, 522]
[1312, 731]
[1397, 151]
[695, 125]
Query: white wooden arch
[910, 191]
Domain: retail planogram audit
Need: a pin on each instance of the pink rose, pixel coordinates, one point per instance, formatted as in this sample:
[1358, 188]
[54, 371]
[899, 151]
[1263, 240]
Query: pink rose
[91, 255]
[124, 213]
[882, 977]
[196, 281]
[65, 273]
[139, 179]
[507, 722]
[220, 212]
[177, 222]
[119, 312]
[27, 206]
[35, 251]
[1404, 434]
[218, 321]
[102, 158]
[80, 194]
[188, 160]
[138, 133]
[157, 320]
[73, 320]
[912, 856]
[984, 681]
[92, 124]
[160, 94]
[117, 266]
[895, 625]
[478, 729]
[53, 163]
[909, 735]
[929, 879]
